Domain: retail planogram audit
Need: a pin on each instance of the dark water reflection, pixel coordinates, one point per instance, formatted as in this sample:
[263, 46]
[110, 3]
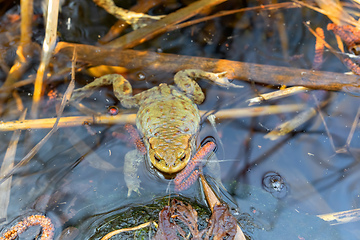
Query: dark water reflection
[72, 183]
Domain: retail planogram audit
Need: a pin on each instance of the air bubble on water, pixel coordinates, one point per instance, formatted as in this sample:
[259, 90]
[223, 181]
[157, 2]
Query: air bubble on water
[141, 76]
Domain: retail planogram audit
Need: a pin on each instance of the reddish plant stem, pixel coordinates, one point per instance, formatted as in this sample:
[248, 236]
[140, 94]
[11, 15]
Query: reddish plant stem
[188, 176]
[20, 227]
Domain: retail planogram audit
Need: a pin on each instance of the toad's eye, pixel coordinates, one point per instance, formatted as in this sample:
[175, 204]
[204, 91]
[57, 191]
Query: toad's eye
[157, 158]
[183, 156]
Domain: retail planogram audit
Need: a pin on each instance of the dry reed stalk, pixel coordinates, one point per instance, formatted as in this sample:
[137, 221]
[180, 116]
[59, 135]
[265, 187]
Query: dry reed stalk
[6, 166]
[38, 146]
[18, 101]
[47, 49]
[276, 94]
[143, 34]
[213, 200]
[272, 75]
[66, 122]
[284, 40]
[130, 118]
[333, 11]
[26, 22]
[265, 7]
[24, 51]
[336, 218]
[257, 111]
[290, 125]
[17, 84]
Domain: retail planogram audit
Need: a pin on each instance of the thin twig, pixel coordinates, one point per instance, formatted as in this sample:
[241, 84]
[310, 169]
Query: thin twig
[324, 122]
[355, 123]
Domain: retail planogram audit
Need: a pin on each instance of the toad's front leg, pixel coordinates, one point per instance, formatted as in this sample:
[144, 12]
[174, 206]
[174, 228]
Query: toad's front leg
[121, 87]
[185, 80]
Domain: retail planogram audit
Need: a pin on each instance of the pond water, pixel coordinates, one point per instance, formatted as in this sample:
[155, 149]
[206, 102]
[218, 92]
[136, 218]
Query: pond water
[276, 189]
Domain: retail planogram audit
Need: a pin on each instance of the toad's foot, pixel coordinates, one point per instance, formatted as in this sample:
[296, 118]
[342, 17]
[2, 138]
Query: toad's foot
[122, 89]
[223, 81]
[131, 165]
[185, 80]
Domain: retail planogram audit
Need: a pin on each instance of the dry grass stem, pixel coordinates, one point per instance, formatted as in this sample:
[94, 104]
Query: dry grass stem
[346, 147]
[341, 217]
[67, 122]
[258, 111]
[353, 127]
[333, 11]
[272, 75]
[324, 122]
[143, 34]
[24, 52]
[113, 233]
[17, 84]
[276, 94]
[47, 49]
[130, 118]
[275, 6]
[26, 21]
[290, 125]
[7, 165]
[19, 103]
[284, 40]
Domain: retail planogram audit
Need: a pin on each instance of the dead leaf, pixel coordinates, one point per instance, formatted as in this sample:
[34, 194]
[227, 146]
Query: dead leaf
[173, 218]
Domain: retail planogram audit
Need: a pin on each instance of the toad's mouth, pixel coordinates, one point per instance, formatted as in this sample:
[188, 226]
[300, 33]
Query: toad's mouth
[170, 169]
[169, 163]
